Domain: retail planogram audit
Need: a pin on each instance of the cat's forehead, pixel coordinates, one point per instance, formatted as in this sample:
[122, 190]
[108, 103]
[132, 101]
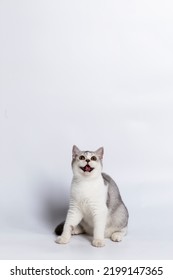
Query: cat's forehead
[88, 153]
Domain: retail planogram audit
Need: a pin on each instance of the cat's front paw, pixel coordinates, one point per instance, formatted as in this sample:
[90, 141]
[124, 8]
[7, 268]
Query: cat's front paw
[98, 242]
[62, 240]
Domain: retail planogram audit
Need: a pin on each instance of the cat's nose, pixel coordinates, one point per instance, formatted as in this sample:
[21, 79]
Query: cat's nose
[87, 160]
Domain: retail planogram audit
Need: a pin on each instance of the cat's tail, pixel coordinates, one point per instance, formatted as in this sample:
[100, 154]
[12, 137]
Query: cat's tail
[59, 229]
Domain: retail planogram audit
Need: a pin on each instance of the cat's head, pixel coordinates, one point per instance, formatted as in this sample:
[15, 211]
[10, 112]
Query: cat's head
[86, 163]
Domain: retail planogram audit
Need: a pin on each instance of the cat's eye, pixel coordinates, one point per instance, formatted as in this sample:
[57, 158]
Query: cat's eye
[82, 158]
[93, 158]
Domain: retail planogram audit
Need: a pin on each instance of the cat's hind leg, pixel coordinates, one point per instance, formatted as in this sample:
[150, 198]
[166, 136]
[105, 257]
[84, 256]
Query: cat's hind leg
[77, 230]
[117, 236]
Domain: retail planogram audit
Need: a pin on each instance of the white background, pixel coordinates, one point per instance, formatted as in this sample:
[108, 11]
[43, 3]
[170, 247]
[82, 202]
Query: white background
[90, 73]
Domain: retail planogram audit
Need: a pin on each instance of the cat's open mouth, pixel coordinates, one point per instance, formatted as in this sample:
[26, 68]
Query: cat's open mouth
[87, 168]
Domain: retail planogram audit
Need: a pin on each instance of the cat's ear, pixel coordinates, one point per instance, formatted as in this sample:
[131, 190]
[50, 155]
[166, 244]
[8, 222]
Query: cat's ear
[75, 151]
[100, 152]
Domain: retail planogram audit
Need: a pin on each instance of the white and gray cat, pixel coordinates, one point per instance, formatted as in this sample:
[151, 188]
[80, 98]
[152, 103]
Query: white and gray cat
[95, 207]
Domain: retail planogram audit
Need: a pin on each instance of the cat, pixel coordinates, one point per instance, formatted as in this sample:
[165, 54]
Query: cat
[96, 206]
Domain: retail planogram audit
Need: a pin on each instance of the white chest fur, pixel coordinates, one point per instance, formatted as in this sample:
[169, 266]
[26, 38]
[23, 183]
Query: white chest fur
[89, 197]
[89, 194]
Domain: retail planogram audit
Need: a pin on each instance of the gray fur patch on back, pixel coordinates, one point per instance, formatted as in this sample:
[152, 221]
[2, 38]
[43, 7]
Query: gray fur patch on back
[114, 200]
[113, 197]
